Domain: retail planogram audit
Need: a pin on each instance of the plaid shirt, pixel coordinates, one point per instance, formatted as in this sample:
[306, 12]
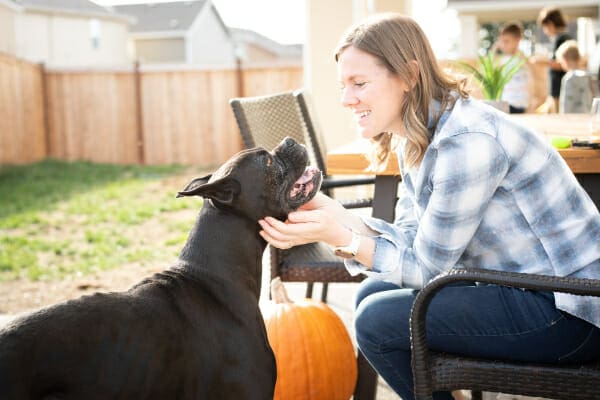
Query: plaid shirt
[493, 194]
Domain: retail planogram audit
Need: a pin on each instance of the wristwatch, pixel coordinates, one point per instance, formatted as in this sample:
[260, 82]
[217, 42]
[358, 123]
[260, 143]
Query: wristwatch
[350, 250]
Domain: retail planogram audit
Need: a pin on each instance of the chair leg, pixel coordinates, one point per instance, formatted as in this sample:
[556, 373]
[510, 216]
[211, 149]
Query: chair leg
[309, 290]
[366, 384]
[324, 292]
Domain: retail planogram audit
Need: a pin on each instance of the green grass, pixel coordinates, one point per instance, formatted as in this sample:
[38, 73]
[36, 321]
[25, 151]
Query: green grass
[59, 218]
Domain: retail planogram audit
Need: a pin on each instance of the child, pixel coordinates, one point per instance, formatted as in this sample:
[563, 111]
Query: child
[577, 86]
[516, 91]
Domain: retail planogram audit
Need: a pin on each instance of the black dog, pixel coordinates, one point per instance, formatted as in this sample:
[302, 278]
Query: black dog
[193, 331]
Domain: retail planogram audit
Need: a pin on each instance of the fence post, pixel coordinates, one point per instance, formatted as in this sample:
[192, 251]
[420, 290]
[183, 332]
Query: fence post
[45, 109]
[239, 74]
[138, 113]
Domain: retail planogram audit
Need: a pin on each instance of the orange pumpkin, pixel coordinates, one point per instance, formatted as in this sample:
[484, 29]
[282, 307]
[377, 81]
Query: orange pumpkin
[314, 353]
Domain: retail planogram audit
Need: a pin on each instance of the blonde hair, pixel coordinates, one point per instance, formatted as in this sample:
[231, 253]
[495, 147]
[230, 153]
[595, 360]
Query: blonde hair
[568, 51]
[396, 41]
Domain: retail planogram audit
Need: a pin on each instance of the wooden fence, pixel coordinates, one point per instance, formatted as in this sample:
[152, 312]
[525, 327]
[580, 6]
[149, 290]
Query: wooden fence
[22, 127]
[127, 116]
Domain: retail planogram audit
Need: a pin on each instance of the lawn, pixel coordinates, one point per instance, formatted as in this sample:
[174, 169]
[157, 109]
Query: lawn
[74, 218]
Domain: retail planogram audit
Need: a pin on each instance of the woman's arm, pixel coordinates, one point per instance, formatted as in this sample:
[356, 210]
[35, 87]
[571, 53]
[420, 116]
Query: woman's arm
[452, 197]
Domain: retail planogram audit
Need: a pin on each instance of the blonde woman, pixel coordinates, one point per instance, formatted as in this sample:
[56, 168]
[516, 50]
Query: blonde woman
[477, 191]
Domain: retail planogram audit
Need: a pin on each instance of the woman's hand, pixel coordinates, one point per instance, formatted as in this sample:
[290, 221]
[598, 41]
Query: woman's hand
[317, 220]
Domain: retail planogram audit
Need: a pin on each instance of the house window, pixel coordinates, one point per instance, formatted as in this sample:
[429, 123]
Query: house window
[95, 33]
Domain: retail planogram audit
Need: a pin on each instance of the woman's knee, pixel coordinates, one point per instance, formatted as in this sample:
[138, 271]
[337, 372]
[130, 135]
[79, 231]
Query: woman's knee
[366, 321]
[383, 317]
[370, 286]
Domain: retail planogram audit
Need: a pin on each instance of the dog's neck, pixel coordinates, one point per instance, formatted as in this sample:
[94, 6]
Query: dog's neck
[226, 246]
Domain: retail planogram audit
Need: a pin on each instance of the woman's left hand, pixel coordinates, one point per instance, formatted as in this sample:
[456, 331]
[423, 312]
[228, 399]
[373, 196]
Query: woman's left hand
[318, 221]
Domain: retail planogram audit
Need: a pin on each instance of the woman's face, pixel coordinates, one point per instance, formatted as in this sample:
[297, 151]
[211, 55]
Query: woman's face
[549, 29]
[371, 92]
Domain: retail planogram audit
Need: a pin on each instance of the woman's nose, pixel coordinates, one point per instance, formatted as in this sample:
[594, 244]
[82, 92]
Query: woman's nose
[348, 98]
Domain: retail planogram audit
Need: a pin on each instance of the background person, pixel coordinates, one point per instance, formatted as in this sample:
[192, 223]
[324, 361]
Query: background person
[516, 92]
[477, 190]
[554, 25]
[578, 87]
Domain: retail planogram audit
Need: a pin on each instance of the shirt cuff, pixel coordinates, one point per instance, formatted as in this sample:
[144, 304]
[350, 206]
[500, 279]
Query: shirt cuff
[386, 261]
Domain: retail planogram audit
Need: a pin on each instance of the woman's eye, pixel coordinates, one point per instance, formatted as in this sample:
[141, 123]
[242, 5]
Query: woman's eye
[359, 84]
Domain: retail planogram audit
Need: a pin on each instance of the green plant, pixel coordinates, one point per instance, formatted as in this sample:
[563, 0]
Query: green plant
[492, 74]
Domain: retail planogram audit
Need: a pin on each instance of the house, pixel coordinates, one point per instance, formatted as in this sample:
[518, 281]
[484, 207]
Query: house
[582, 16]
[190, 32]
[254, 48]
[8, 13]
[71, 33]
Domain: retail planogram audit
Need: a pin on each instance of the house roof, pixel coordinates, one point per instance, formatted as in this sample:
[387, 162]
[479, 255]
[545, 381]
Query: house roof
[82, 7]
[162, 17]
[252, 37]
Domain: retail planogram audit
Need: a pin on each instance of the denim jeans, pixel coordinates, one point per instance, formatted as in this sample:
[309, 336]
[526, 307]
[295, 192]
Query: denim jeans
[484, 321]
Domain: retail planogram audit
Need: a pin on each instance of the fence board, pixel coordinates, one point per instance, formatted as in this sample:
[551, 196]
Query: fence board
[183, 117]
[22, 133]
[92, 116]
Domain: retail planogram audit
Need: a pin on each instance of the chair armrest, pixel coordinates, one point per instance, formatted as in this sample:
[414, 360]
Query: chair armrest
[418, 339]
[330, 183]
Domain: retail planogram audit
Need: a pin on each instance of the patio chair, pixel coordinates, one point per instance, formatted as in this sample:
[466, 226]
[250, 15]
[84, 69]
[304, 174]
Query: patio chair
[440, 371]
[265, 121]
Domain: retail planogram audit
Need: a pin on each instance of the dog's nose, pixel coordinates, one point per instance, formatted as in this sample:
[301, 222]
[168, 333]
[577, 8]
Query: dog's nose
[288, 142]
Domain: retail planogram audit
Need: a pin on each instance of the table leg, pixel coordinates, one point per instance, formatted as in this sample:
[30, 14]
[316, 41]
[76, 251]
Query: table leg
[384, 201]
[366, 384]
[384, 197]
[591, 184]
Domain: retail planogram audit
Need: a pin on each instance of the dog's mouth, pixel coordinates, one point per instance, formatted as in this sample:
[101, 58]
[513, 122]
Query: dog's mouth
[305, 188]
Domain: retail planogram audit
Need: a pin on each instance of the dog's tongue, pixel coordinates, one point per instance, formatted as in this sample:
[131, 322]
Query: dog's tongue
[308, 174]
[304, 184]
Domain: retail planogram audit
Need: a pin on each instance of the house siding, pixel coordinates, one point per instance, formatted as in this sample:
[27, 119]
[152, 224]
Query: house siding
[209, 42]
[64, 40]
[170, 50]
[7, 30]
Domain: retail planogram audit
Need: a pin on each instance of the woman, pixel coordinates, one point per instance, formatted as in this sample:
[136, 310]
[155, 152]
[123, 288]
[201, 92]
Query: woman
[554, 25]
[477, 191]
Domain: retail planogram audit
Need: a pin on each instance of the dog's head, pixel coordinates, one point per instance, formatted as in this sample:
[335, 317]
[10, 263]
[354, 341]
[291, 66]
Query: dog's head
[258, 183]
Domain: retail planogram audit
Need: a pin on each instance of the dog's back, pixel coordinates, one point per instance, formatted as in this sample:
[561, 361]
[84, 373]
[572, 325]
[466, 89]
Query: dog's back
[142, 344]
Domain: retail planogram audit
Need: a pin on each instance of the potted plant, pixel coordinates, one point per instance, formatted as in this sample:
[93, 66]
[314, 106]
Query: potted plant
[492, 75]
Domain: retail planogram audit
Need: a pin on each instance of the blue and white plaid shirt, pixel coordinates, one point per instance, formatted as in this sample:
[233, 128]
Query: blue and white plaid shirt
[493, 194]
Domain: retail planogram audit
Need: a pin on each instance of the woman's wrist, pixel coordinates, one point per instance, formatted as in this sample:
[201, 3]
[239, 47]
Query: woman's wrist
[340, 236]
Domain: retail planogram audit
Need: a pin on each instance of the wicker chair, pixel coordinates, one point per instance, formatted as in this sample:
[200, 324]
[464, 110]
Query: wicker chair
[439, 371]
[265, 121]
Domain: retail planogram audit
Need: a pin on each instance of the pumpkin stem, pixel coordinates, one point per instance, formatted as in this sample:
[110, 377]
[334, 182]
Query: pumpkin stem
[278, 292]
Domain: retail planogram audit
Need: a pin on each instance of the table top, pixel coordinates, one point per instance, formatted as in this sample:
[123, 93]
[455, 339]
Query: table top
[350, 158]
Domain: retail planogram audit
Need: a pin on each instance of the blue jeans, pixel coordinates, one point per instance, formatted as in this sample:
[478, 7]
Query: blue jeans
[485, 321]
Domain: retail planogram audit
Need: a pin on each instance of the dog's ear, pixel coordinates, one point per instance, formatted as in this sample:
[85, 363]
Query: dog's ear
[223, 190]
[193, 185]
